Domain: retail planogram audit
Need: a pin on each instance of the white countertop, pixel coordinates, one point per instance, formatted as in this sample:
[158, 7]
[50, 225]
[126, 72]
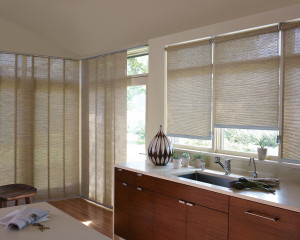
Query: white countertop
[287, 196]
[62, 226]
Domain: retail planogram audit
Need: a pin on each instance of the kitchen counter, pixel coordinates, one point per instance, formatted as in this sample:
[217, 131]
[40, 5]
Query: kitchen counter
[287, 196]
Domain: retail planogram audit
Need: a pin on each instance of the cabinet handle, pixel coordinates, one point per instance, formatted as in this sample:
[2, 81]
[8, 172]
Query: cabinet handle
[262, 215]
[190, 204]
[124, 184]
[138, 188]
[120, 169]
[182, 202]
[139, 174]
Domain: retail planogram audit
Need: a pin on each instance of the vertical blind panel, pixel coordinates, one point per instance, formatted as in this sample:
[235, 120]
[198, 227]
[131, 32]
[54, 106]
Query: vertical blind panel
[247, 82]
[92, 71]
[71, 129]
[56, 128]
[101, 128]
[189, 80]
[7, 118]
[24, 120]
[41, 126]
[116, 75]
[291, 101]
[104, 94]
[85, 144]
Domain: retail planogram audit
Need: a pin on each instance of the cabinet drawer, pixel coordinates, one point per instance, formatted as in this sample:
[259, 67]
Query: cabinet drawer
[195, 195]
[121, 174]
[140, 180]
[259, 221]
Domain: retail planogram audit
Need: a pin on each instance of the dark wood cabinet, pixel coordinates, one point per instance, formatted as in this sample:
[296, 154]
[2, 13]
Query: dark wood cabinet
[121, 209]
[151, 208]
[133, 207]
[140, 213]
[178, 219]
[250, 220]
[206, 223]
[169, 218]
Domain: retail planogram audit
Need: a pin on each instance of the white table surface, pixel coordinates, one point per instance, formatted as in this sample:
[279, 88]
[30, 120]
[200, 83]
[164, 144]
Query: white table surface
[62, 227]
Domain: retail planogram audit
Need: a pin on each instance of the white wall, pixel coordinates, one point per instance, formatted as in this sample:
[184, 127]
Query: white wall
[14, 38]
[156, 88]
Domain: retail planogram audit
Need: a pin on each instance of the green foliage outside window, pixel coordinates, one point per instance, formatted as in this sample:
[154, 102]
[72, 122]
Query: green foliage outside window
[137, 65]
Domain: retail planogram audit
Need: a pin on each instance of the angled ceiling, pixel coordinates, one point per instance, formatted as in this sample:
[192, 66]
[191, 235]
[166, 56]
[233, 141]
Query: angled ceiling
[91, 27]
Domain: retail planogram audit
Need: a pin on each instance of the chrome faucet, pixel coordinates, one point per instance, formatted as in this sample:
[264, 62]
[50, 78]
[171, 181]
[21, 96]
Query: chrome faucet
[226, 167]
[254, 174]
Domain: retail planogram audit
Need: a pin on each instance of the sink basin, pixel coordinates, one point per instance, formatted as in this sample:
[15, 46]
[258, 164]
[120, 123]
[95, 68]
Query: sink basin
[215, 180]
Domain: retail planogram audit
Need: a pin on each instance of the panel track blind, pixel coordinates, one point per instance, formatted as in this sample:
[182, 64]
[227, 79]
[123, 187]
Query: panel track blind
[291, 98]
[104, 124]
[39, 124]
[246, 80]
[189, 88]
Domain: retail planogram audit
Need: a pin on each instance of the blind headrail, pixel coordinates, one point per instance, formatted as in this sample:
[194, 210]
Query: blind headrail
[189, 44]
[247, 33]
[289, 25]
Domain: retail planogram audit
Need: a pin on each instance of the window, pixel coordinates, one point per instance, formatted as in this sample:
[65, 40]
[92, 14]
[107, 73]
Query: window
[197, 143]
[137, 61]
[255, 91]
[248, 140]
[137, 69]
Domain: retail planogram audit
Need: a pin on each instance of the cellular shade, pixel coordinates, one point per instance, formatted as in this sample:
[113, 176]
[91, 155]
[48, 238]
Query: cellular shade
[246, 79]
[189, 89]
[291, 99]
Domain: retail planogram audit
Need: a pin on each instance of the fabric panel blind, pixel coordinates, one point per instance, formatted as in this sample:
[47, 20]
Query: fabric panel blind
[104, 128]
[34, 127]
[291, 99]
[189, 88]
[246, 80]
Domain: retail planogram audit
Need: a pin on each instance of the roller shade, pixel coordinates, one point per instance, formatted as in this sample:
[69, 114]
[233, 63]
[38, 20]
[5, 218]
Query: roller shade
[246, 79]
[291, 99]
[189, 89]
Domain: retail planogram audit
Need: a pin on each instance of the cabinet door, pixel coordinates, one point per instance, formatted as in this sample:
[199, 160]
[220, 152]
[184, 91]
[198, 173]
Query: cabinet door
[169, 218]
[121, 209]
[140, 214]
[206, 223]
[250, 220]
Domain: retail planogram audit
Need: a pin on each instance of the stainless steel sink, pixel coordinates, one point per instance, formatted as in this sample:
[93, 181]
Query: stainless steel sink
[212, 179]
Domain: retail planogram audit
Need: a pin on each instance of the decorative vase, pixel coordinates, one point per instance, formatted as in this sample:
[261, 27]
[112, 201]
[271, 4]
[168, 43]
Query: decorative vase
[185, 162]
[262, 153]
[160, 149]
[176, 163]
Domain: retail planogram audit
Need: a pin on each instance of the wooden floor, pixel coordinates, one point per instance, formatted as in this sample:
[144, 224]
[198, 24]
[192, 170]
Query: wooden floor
[101, 219]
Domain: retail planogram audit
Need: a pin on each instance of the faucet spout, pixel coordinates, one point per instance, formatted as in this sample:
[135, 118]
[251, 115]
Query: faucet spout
[254, 174]
[226, 167]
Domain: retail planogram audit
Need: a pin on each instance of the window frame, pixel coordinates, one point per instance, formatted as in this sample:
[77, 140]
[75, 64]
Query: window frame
[217, 144]
[217, 133]
[138, 80]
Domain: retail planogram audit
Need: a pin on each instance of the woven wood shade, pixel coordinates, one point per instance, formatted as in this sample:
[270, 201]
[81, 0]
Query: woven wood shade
[104, 127]
[39, 124]
[189, 88]
[247, 80]
[291, 100]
